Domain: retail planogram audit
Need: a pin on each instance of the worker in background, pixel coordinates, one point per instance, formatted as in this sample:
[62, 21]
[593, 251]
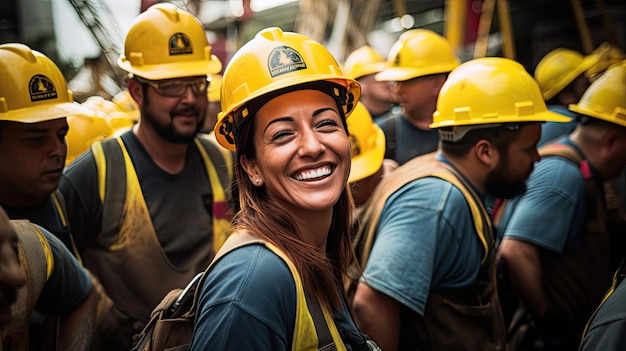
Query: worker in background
[555, 241]
[562, 78]
[427, 243]
[417, 66]
[149, 208]
[362, 65]
[368, 150]
[369, 167]
[59, 294]
[213, 108]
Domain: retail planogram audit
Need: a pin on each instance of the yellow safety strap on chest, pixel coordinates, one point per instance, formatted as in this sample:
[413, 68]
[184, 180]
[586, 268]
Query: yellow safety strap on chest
[305, 335]
[479, 213]
[47, 251]
[101, 164]
[221, 221]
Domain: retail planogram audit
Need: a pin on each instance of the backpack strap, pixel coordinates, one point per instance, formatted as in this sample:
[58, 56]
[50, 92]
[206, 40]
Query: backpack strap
[562, 150]
[234, 242]
[37, 262]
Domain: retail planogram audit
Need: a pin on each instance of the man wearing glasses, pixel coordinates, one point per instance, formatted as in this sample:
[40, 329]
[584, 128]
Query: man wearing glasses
[149, 208]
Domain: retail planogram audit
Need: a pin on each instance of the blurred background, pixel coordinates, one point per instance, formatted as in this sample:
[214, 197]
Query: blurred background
[85, 37]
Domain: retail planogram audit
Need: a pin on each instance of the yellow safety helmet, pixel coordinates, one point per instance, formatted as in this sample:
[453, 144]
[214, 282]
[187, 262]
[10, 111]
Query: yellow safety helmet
[609, 55]
[559, 68]
[126, 103]
[368, 144]
[363, 61]
[417, 53]
[490, 90]
[110, 111]
[213, 93]
[85, 130]
[606, 97]
[33, 88]
[166, 42]
[274, 60]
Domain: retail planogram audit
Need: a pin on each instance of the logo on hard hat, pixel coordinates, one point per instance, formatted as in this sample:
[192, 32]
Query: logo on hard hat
[180, 44]
[284, 59]
[41, 88]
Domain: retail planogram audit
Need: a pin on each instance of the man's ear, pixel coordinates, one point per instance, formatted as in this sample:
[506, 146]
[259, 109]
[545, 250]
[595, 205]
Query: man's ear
[136, 91]
[486, 153]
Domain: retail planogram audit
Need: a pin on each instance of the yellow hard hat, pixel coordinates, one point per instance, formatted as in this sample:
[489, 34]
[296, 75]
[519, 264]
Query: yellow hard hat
[166, 42]
[606, 97]
[363, 62]
[418, 52]
[213, 93]
[274, 60]
[126, 103]
[33, 88]
[491, 90]
[368, 144]
[85, 130]
[609, 55]
[559, 68]
[98, 103]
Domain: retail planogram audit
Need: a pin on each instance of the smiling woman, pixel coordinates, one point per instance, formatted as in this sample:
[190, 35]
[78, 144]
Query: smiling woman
[285, 103]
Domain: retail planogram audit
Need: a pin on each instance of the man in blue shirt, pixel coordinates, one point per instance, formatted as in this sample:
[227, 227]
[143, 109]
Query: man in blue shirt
[430, 235]
[555, 241]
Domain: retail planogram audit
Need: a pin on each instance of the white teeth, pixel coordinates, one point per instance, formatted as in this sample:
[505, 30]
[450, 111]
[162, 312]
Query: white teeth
[312, 174]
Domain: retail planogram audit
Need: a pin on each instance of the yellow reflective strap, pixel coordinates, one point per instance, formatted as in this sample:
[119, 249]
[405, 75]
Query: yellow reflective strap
[220, 225]
[304, 334]
[47, 251]
[101, 166]
[478, 212]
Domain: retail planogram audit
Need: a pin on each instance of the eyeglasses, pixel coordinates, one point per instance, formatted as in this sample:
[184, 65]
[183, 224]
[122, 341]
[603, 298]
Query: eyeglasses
[177, 88]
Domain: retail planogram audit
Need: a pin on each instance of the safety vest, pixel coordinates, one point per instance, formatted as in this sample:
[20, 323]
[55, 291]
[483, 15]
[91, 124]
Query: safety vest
[129, 260]
[310, 331]
[472, 313]
[37, 262]
[576, 280]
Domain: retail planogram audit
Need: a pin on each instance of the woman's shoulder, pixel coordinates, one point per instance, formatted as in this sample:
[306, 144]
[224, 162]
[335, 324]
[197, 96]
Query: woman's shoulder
[251, 271]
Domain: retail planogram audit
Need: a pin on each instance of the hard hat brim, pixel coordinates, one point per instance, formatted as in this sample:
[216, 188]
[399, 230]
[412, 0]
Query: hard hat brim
[370, 69]
[545, 116]
[591, 111]
[172, 70]
[366, 164]
[45, 112]
[402, 74]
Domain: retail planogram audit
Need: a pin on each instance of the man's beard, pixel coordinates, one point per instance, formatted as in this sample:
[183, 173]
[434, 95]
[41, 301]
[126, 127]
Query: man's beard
[168, 131]
[500, 186]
